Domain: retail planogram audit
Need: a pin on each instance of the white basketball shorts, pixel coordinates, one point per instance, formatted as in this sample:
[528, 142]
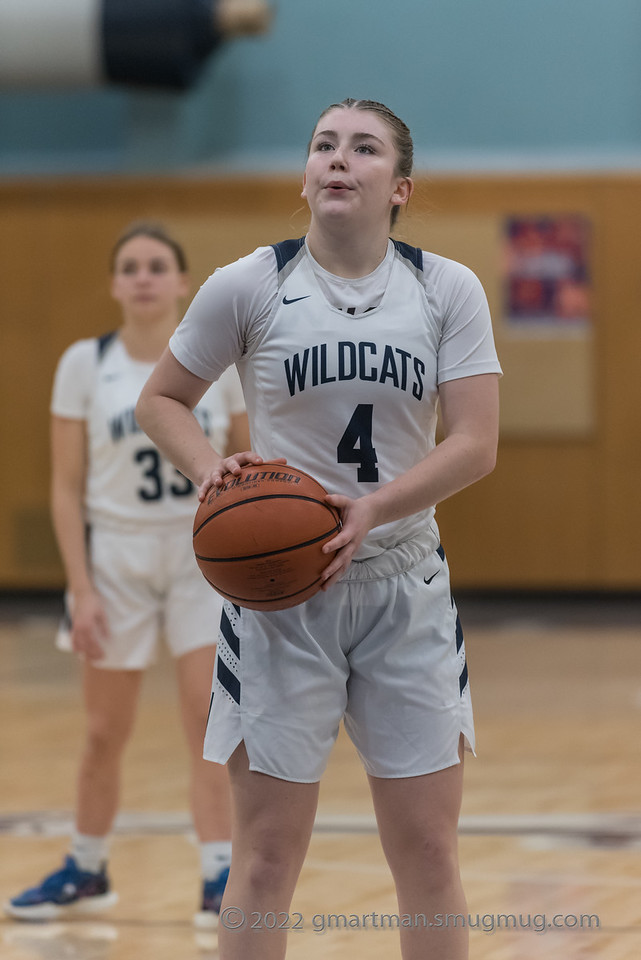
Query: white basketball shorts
[382, 650]
[151, 588]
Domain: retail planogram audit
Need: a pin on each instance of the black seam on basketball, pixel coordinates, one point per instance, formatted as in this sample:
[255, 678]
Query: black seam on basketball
[271, 553]
[286, 596]
[266, 496]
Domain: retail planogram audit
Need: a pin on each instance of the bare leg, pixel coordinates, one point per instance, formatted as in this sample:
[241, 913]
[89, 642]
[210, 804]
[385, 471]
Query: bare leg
[417, 819]
[111, 697]
[272, 824]
[209, 786]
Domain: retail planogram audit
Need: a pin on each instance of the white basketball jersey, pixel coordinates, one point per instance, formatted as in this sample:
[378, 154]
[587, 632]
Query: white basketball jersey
[346, 391]
[128, 479]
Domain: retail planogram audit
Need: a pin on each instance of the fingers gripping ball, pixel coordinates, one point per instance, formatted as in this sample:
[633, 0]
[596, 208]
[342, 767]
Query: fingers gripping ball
[258, 539]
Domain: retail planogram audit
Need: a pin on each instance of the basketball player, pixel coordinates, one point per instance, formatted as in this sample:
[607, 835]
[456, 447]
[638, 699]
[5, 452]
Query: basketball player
[136, 572]
[345, 342]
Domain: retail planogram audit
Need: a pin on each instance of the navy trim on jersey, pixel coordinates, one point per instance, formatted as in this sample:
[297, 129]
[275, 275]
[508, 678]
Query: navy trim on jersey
[227, 680]
[286, 250]
[459, 634]
[228, 633]
[103, 342]
[413, 254]
[463, 676]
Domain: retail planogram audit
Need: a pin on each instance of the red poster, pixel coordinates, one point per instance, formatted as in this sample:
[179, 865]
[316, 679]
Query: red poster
[547, 274]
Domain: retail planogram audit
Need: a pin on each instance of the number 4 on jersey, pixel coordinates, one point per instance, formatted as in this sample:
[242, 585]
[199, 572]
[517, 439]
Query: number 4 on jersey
[356, 446]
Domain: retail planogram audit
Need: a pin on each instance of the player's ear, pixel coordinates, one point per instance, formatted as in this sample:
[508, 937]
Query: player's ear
[403, 191]
[304, 190]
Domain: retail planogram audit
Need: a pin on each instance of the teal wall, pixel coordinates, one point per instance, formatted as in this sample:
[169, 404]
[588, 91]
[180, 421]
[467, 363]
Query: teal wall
[483, 84]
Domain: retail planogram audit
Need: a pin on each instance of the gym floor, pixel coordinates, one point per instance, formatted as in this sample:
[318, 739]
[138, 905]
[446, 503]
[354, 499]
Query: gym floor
[550, 830]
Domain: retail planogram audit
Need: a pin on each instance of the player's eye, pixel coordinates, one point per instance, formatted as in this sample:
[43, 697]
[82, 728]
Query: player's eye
[324, 146]
[158, 266]
[364, 148]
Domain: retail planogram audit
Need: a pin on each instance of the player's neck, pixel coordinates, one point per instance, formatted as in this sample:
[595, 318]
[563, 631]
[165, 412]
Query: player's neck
[146, 341]
[346, 255]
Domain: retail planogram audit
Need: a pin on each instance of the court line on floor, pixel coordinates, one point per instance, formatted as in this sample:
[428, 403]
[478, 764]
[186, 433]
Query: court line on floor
[595, 829]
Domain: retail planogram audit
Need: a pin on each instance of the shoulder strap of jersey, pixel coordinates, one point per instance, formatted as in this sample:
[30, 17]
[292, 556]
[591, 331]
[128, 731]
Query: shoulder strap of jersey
[414, 255]
[288, 253]
[102, 343]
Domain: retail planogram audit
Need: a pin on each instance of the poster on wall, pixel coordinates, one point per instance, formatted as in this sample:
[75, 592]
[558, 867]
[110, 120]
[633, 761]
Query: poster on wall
[545, 326]
[547, 276]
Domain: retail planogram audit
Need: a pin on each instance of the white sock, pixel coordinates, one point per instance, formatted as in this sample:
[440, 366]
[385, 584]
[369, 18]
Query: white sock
[214, 857]
[90, 853]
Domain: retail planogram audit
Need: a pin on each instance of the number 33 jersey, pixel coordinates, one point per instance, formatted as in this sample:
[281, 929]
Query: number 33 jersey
[127, 479]
[341, 376]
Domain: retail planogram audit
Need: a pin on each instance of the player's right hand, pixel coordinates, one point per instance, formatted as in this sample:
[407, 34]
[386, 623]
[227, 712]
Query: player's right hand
[89, 630]
[232, 464]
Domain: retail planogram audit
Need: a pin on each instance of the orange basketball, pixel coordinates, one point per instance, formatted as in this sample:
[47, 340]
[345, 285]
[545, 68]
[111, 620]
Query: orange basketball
[258, 539]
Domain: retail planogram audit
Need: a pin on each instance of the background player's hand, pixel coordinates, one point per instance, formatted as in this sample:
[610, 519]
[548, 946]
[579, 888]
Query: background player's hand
[358, 518]
[90, 629]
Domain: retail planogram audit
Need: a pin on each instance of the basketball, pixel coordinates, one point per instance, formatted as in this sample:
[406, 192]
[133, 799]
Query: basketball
[258, 539]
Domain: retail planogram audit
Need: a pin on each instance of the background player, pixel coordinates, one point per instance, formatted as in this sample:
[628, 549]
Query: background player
[346, 342]
[123, 517]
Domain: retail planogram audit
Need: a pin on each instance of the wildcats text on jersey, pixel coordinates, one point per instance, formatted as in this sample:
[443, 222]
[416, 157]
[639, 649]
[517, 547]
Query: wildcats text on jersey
[322, 363]
[124, 423]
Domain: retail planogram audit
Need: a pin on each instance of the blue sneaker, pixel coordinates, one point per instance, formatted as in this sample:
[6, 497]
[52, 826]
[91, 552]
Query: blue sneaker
[207, 916]
[62, 894]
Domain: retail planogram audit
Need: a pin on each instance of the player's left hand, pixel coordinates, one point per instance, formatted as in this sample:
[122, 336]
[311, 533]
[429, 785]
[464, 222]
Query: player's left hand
[357, 518]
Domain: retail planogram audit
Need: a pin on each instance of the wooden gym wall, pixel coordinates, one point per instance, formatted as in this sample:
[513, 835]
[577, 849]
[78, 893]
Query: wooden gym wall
[562, 509]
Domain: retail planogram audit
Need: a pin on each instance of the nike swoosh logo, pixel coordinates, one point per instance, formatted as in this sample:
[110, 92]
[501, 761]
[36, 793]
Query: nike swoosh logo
[431, 578]
[296, 299]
